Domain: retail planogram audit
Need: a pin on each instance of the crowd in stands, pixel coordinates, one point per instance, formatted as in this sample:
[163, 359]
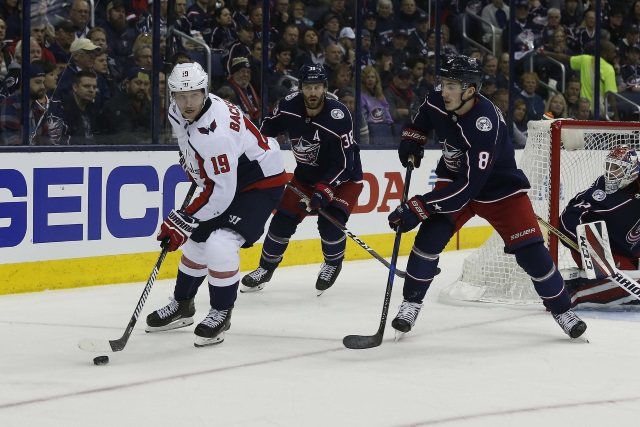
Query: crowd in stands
[92, 84]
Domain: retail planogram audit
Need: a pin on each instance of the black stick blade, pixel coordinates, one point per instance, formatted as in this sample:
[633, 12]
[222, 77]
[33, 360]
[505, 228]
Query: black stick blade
[361, 342]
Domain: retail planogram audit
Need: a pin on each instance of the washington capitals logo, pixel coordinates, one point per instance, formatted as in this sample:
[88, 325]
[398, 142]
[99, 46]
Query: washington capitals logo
[305, 152]
[451, 156]
[211, 128]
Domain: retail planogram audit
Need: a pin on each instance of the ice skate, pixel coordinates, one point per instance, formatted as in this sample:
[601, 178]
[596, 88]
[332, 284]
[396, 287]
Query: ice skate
[406, 318]
[570, 323]
[212, 329]
[176, 314]
[327, 277]
[256, 280]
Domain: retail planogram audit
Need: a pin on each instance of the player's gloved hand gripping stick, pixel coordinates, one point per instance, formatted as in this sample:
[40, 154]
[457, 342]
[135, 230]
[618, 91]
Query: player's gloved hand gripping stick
[103, 345]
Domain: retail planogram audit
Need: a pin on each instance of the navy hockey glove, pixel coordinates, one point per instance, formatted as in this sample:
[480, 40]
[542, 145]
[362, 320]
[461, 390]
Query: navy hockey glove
[176, 229]
[412, 144]
[408, 215]
[321, 197]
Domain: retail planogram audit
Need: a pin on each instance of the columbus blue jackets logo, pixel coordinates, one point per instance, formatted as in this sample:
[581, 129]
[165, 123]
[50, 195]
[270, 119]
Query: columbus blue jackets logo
[451, 156]
[205, 130]
[337, 114]
[484, 124]
[599, 195]
[305, 152]
[633, 236]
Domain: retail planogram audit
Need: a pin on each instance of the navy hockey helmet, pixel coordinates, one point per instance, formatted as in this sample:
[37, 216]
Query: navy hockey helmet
[462, 68]
[312, 73]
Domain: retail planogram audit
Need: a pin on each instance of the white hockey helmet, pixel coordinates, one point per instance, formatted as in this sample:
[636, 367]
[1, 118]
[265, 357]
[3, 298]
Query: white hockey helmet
[188, 76]
[621, 168]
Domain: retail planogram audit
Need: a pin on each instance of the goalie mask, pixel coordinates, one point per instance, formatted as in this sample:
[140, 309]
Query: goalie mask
[621, 168]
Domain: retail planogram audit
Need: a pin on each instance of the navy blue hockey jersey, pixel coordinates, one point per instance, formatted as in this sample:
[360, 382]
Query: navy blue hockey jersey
[620, 211]
[478, 158]
[323, 145]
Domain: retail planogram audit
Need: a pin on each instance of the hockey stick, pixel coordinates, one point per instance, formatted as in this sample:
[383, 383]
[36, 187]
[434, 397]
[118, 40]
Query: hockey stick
[357, 342]
[618, 277]
[597, 258]
[344, 229]
[103, 345]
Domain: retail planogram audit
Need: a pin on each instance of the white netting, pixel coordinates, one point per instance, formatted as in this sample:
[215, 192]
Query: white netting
[490, 275]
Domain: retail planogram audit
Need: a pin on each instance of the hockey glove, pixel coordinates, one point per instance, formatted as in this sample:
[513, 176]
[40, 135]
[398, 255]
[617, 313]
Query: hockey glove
[183, 163]
[412, 144]
[321, 197]
[176, 229]
[408, 215]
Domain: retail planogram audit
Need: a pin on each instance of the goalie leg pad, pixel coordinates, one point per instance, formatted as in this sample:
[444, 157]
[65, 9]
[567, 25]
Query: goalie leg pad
[536, 261]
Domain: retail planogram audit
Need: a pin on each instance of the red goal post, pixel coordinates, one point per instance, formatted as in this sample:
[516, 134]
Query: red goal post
[561, 158]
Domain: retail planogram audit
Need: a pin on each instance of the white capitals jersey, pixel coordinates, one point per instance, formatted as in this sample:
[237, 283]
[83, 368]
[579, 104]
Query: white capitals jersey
[225, 154]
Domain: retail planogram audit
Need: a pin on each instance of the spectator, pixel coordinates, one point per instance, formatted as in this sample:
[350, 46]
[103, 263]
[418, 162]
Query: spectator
[348, 98]
[298, 18]
[399, 51]
[50, 75]
[280, 16]
[489, 86]
[366, 55]
[281, 55]
[52, 106]
[571, 95]
[490, 66]
[38, 32]
[418, 83]
[255, 61]
[255, 18]
[332, 57]
[571, 16]
[407, 17]
[241, 48]
[346, 42]
[65, 35]
[143, 56]
[447, 47]
[341, 78]
[120, 37]
[403, 103]
[631, 38]
[583, 109]
[520, 118]
[197, 15]
[80, 16]
[375, 108]
[5, 55]
[330, 32]
[291, 37]
[502, 76]
[385, 23]
[633, 15]
[553, 24]
[126, 118]
[370, 23]
[11, 83]
[310, 51]
[226, 93]
[496, 14]
[11, 125]
[384, 66]
[224, 34]
[83, 56]
[239, 81]
[535, 104]
[240, 12]
[417, 44]
[557, 106]
[615, 27]
[587, 35]
[557, 45]
[501, 100]
[80, 112]
[338, 9]
[98, 36]
[101, 68]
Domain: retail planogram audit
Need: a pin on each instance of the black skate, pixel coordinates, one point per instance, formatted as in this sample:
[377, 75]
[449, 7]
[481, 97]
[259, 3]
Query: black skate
[256, 280]
[211, 330]
[327, 277]
[406, 318]
[570, 323]
[177, 314]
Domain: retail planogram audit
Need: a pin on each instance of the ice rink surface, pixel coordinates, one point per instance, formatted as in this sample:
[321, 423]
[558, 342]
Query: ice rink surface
[283, 363]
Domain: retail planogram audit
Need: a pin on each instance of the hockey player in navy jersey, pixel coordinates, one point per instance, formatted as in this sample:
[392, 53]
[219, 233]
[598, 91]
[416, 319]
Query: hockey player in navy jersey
[477, 175]
[241, 174]
[615, 199]
[328, 171]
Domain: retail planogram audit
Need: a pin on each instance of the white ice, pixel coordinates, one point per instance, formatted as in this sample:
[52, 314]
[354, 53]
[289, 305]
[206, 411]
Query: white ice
[283, 362]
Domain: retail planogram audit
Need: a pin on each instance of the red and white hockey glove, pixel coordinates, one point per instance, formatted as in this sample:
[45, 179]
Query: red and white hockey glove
[411, 144]
[176, 229]
[322, 195]
[408, 215]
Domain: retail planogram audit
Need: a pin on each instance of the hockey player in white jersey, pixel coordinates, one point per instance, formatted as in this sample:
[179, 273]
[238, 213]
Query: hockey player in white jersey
[241, 174]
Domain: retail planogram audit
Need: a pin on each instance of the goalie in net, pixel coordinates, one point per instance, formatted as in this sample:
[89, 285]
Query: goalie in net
[615, 199]
[477, 175]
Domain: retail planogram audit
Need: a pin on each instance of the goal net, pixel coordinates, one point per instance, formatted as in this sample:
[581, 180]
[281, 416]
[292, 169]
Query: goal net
[561, 158]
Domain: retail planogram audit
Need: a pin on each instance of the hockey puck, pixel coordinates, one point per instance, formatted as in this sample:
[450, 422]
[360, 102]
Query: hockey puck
[101, 360]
